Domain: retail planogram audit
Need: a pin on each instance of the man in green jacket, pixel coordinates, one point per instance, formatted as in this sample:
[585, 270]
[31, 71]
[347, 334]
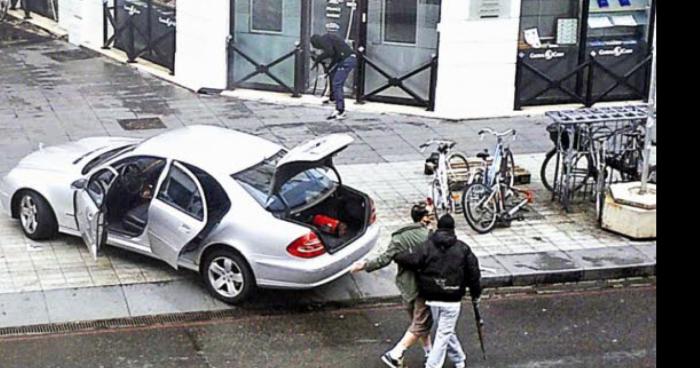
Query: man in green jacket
[406, 239]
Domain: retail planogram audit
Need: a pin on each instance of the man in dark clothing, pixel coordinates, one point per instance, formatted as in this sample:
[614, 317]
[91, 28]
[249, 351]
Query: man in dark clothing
[342, 61]
[445, 267]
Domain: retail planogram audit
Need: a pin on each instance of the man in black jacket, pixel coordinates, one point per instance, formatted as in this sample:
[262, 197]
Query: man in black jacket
[445, 267]
[342, 62]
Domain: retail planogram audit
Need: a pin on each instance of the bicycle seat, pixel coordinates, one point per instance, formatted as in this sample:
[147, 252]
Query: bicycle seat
[483, 155]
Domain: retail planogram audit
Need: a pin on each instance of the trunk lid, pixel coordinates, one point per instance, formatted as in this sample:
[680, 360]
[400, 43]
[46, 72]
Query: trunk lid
[315, 153]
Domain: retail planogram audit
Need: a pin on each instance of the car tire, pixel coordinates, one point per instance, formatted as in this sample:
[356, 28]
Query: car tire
[227, 266]
[36, 217]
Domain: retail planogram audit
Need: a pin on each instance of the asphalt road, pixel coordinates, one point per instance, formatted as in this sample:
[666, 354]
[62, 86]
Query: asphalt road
[604, 328]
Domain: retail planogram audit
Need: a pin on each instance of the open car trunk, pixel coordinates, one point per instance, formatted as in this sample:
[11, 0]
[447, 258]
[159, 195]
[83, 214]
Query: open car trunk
[346, 205]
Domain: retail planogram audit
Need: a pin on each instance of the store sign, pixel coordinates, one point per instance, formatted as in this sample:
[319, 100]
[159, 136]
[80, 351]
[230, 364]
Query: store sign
[169, 22]
[339, 17]
[617, 51]
[488, 9]
[547, 55]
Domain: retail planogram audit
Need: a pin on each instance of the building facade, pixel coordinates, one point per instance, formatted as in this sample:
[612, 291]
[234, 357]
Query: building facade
[459, 58]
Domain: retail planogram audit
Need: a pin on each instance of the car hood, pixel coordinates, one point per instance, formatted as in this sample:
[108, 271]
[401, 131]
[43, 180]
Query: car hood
[65, 157]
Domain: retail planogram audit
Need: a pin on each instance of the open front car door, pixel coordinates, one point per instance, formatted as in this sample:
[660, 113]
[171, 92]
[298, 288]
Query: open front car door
[88, 207]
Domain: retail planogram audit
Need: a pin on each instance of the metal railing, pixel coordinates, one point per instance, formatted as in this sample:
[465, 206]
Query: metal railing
[583, 95]
[265, 68]
[395, 81]
[139, 38]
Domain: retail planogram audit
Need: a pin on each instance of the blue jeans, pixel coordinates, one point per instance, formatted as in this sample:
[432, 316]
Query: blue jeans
[445, 342]
[340, 74]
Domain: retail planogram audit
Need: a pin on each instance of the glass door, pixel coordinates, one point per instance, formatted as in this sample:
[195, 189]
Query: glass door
[262, 47]
[340, 18]
[401, 39]
[618, 36]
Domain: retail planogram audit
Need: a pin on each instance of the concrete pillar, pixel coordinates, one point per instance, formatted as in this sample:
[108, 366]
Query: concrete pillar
[476, 72]
[200, 56]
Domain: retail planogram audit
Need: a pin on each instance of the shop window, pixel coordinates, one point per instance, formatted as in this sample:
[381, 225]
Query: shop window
[266, 15]
[400, 21]
[617, 21]
[545, 22]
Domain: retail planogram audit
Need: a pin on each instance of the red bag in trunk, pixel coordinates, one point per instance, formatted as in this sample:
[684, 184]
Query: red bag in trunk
[329, 225]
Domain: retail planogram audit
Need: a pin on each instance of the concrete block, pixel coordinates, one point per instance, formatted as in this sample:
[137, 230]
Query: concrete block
[629, 220]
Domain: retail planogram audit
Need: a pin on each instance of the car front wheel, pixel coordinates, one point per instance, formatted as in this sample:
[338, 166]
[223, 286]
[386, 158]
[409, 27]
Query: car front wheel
[227, 276]
[36, 216]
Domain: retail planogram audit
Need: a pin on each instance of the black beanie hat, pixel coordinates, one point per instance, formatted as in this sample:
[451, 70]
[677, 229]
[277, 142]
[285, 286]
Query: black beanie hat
[446, 222]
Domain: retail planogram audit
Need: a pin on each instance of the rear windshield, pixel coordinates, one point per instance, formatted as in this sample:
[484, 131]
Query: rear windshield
[305, 188]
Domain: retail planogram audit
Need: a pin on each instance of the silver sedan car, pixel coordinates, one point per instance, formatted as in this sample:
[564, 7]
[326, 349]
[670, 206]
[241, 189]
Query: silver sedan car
[242, 211]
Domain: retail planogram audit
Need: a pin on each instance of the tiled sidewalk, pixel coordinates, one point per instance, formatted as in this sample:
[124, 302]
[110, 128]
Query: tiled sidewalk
[26, 265]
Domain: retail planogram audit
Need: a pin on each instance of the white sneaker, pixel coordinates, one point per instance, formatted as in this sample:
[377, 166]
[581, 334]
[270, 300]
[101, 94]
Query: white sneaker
[336, 115]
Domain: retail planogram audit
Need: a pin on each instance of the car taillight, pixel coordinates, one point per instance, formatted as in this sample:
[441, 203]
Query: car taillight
[307, 246]
[373, 212]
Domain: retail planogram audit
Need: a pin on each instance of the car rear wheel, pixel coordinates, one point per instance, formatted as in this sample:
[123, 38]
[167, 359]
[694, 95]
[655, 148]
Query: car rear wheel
[227, 276]
[36, 216]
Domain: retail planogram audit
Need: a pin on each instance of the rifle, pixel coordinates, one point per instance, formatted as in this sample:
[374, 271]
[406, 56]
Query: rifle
[479, 325]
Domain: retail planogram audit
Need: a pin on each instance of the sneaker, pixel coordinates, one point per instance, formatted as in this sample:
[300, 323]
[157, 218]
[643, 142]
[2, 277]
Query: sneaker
[391, 362]
[326, 101]
[461, 365]
[336, 115]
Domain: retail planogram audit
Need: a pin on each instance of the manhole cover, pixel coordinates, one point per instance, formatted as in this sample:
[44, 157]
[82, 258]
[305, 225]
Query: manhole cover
[70, 55]
[141, 123]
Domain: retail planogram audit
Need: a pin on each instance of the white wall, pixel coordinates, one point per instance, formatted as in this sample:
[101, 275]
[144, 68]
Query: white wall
[83, 21]
[476, 72]
[200, 56]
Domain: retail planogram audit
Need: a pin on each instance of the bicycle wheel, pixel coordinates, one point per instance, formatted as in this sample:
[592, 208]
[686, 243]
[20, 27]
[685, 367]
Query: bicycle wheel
[457, 174]
[583, 170]
[439, 206]
[479, 209]
[508, 170]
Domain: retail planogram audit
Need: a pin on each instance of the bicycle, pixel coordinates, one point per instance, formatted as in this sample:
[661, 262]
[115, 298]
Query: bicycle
[582, 169]
[446, 176]
[489, 196]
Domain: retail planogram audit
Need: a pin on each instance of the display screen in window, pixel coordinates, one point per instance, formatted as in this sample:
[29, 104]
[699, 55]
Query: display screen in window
[266, 15]
[400, 18]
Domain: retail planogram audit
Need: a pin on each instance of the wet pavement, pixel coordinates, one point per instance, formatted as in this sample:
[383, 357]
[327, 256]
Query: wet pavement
[604, 328]
[52, 92]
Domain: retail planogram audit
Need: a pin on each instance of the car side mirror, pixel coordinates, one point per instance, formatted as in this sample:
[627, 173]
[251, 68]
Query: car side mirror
[79, 184]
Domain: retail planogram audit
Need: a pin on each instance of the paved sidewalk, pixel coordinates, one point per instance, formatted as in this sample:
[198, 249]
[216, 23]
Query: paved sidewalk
[549, 246]
[52, 92]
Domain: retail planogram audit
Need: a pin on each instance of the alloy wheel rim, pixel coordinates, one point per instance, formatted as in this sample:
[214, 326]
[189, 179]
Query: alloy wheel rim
[225, 276]
[28, 213]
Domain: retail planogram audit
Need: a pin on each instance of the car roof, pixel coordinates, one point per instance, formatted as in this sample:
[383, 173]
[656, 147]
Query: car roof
[210, 148]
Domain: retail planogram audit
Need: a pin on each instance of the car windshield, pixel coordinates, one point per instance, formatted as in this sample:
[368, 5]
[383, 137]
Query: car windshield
[304, 188]
[103, 157]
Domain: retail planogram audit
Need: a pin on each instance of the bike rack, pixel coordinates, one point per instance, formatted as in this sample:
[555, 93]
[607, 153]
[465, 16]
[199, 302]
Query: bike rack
[264, 69]
[395, 81]
[580, 125]
[131, 28]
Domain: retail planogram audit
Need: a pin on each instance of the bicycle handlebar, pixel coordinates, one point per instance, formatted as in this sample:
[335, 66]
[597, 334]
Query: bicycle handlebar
[434, 141]
[497, 134]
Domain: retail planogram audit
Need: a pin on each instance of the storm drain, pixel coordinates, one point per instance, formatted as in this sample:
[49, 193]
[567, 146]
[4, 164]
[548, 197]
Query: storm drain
[53, 328]
[141, 123]
[70, 55]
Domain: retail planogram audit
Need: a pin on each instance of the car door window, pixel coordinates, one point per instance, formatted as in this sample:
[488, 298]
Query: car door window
[180, 191]
[98, 184]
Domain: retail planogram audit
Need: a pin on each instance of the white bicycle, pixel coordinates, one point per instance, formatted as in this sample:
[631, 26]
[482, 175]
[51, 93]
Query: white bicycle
[451, 168]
